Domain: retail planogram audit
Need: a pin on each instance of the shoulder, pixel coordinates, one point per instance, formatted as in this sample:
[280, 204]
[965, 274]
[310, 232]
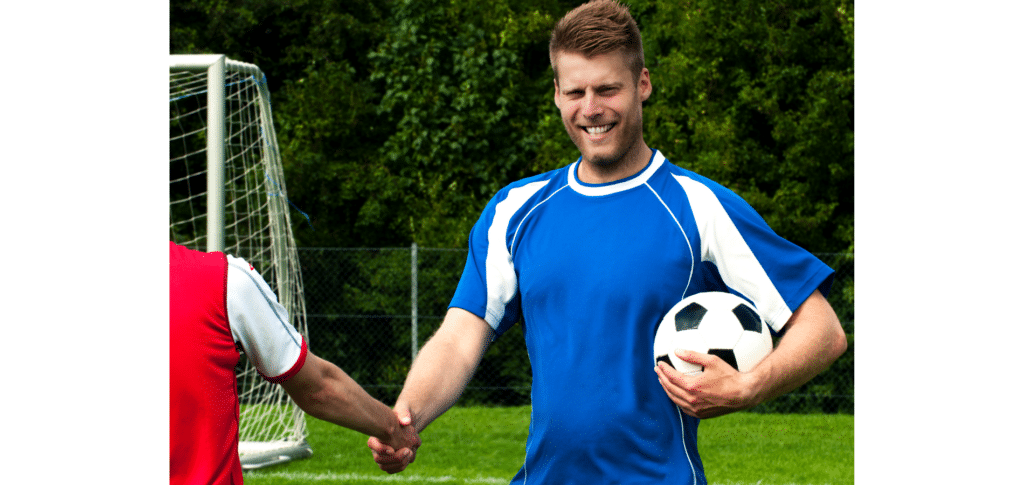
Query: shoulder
[190, 268]
[537, 187]
[183, 256]
[555, 178]
[702, 190]
[240, 264]
[243, 277]
[689, 178]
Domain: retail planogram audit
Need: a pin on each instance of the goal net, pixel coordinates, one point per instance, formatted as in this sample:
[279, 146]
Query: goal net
[227, 193]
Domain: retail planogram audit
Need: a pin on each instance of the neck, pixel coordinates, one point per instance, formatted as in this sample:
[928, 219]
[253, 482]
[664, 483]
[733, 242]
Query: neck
[630, 164]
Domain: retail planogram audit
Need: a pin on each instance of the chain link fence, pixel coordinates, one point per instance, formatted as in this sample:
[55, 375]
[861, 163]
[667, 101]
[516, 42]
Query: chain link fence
[370, 310]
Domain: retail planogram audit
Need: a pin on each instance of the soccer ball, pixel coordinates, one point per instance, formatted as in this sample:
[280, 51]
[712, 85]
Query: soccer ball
[715, 323]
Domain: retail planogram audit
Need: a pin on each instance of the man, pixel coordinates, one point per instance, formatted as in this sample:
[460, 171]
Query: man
[220, 305]
[590, 257]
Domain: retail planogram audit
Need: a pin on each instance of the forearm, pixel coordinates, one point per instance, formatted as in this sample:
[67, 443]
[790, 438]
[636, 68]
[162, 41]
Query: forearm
[433, 385]
[813, 340]
[338, 399]
[444, 366]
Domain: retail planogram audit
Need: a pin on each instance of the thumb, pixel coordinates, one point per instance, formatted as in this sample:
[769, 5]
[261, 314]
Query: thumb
[377, 446]
[403, 413]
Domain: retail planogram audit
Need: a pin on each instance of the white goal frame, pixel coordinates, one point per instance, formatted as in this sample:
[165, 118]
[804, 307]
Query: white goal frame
[272, 429]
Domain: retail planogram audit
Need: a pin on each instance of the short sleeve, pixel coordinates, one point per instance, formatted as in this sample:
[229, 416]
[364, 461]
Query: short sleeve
[489, 287]
[260, 324]
[775, 274]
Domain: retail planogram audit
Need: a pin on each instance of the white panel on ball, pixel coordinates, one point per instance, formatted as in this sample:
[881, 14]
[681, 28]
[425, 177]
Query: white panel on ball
[717, 323]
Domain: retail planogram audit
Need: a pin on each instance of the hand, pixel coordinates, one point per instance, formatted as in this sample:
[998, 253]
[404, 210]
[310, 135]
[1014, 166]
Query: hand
[406, 441]
[406, 437]
[718, 390]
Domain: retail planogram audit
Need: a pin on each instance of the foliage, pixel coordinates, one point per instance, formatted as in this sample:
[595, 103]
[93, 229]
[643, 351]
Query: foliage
[315, 56]
[358, 305]
[460, 104]
[399, 119]
[759, 97]
[365, 294]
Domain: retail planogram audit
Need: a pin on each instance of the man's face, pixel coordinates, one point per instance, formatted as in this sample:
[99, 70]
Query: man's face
[601, 105]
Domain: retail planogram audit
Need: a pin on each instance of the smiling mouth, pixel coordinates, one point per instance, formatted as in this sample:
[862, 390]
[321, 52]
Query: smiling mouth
[597, 130]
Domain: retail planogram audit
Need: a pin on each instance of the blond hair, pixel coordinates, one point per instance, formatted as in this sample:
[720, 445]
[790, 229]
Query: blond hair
[595, 28]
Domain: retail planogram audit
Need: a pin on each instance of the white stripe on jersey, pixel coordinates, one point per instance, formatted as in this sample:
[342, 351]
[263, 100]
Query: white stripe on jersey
[722, 244]
[501, 276]
[511, 247]
[689, 279]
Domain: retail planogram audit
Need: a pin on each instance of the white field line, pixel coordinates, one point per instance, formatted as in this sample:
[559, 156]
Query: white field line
[404, 478]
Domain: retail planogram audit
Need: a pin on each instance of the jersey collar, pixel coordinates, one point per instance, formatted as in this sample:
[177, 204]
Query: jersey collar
[635, 180]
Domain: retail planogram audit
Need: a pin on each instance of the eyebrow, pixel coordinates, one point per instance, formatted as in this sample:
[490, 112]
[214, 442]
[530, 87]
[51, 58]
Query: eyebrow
[568, 89]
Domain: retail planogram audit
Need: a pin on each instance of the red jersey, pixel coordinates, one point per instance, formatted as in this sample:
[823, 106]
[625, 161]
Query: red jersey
[208, 315]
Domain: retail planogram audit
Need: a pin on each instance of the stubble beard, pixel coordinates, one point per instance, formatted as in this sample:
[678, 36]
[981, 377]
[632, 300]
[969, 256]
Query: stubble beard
[631, 139]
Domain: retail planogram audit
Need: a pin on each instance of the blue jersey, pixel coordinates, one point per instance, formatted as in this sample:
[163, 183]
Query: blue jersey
[590, 270]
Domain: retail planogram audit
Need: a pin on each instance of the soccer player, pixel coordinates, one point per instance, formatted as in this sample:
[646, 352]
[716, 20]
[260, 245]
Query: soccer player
[219, 306]
[590, 257]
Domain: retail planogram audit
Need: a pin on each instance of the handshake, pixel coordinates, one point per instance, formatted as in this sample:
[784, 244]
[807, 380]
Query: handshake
[400, 449]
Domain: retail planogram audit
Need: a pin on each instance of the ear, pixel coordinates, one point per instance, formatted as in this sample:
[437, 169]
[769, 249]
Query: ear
[643, 85]
[557, 98]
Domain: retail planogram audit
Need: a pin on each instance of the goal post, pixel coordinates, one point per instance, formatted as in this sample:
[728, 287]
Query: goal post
[227, 193]
[213, 67]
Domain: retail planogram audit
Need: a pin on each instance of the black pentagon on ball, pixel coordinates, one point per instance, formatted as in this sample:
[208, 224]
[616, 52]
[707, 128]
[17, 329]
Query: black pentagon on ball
[748, 318]
[727, 355]
[665, 359]
[689, 317]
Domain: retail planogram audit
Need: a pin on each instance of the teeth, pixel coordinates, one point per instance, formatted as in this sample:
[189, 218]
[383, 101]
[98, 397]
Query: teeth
[597, 130]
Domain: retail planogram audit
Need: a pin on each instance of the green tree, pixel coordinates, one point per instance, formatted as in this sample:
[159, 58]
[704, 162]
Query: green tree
[315, 56]
[759, 97]
[462, 107]
[398, 120]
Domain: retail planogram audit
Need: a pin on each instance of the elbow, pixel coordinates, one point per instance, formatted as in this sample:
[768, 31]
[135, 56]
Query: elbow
[308, 400]
[321, 402]
[316, 390]
[318, 399]
[839, 341]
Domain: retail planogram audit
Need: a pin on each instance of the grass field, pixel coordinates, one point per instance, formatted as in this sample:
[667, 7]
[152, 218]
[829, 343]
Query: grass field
[479, 445]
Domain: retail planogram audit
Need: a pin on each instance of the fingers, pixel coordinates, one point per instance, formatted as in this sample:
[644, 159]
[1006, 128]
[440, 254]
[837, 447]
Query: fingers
[410, 441]
[672, 381]
[395, 462]
[389, 460]
[378, 446]
[387, 457]
[687, 390]
[411, 436]
[718, 390]
[696, 358]
[392, 467]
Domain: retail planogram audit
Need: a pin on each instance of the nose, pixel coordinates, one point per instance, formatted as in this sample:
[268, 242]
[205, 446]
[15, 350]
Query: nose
[591, 105]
